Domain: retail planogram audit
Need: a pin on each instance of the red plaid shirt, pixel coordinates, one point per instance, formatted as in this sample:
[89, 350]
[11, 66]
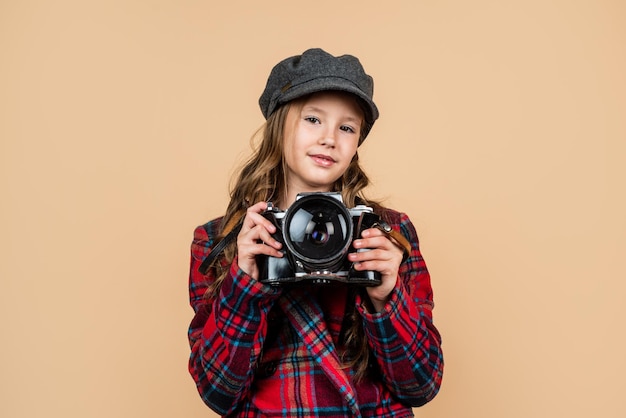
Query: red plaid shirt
[297, 372]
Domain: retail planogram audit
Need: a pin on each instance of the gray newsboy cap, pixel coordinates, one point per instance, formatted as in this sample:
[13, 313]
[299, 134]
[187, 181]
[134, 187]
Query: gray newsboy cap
[314, 71]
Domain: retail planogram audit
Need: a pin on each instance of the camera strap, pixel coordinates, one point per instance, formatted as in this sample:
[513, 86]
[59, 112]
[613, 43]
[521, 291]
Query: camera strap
[395, 236]
[219, 247]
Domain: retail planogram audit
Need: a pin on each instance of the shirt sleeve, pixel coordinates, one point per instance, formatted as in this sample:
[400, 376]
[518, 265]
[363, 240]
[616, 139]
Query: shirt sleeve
[227, 333]
[403, 339]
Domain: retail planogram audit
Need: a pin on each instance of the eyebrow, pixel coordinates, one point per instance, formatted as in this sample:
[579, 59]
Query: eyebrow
[349, 118]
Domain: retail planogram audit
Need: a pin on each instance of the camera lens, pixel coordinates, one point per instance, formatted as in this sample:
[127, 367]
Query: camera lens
[319, 234]
[318, 231]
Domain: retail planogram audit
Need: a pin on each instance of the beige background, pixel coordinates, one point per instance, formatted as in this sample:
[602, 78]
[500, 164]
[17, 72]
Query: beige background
[502, 134]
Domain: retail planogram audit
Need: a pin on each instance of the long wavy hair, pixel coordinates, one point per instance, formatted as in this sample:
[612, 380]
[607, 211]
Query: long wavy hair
[263, 178]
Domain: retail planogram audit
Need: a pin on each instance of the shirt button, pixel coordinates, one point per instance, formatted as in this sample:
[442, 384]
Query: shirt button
[269, 369]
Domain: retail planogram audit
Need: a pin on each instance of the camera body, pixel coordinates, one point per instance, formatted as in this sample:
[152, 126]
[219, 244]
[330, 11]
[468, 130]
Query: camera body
[317, 233]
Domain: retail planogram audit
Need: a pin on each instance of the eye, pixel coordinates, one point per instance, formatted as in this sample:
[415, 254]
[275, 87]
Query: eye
[347, 128]
[312, 119]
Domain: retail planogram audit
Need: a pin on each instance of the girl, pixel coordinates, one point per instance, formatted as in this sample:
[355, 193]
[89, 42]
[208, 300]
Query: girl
[306, 349]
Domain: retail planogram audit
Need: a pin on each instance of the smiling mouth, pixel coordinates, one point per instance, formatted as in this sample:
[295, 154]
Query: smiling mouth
[323, 160]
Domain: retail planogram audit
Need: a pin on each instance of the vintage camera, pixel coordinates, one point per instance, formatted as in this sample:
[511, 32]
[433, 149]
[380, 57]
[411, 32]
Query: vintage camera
[317, 233]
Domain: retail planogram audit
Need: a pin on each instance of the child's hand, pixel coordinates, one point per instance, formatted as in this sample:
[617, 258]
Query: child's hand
[255, 238]
[383, 256]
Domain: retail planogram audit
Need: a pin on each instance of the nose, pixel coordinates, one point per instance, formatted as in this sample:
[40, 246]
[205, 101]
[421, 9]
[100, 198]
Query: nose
[327, 137]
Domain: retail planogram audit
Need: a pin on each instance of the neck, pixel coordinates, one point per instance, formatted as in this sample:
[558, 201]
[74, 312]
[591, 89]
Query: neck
[290, 196]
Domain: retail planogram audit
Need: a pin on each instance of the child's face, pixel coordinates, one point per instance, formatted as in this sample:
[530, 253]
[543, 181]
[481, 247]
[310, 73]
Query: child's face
[321, 138]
